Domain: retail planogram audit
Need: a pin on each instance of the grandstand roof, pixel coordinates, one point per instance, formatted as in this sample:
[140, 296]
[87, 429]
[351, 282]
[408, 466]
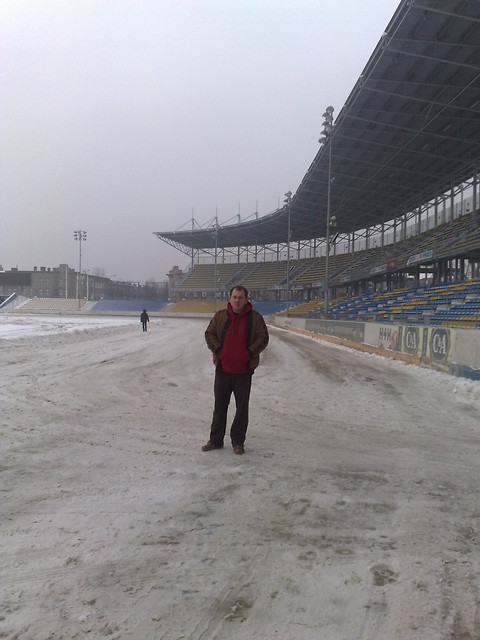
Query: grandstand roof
[407, 133]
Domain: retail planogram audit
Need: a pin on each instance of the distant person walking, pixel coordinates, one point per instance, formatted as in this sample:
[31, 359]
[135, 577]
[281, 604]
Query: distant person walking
[236, 336]
[144, 319]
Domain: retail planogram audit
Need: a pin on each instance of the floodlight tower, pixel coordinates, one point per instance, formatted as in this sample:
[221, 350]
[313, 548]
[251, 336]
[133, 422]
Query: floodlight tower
[215, 284]
[288, 203]
[79, 236]
[326, 138]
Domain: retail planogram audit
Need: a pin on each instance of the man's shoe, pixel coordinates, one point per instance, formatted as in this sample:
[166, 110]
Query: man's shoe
[239, 449]
[211, 445]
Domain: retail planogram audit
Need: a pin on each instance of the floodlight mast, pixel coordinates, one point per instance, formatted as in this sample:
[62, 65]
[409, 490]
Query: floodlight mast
[79, 236]
[216, 266]
[288, 202]
[326, 138]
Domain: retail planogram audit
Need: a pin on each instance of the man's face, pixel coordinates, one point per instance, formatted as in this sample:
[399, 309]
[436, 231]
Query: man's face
[238, 300]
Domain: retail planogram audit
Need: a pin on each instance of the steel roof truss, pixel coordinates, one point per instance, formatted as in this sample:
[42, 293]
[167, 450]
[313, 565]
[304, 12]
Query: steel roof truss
[435, 9]
[414, 130]
[441, 60]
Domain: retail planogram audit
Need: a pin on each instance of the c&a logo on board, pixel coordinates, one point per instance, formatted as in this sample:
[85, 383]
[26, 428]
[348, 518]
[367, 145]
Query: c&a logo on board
[440, 344]
[411, 340]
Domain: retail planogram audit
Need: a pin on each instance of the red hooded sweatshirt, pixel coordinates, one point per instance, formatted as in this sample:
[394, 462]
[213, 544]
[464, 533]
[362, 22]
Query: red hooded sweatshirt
[234, 355]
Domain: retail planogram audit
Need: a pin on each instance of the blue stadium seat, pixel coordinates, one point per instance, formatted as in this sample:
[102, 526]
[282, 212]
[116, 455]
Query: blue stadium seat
[128, 305]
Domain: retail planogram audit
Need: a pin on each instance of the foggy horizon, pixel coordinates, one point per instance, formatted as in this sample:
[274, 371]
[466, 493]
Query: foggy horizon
[127, 118]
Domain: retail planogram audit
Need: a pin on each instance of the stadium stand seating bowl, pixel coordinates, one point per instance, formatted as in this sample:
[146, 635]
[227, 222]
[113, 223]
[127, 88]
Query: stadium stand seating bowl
[128, 305]
[450, 304]
[52, 305]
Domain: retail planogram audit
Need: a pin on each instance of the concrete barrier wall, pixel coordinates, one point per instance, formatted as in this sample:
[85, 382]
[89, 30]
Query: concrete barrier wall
[456, 351]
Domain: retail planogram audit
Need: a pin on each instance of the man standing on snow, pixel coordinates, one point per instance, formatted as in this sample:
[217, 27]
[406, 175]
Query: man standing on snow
[144, 319]
[236, 336]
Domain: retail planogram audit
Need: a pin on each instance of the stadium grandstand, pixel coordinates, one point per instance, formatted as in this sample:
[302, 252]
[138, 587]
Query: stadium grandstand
[386, 219]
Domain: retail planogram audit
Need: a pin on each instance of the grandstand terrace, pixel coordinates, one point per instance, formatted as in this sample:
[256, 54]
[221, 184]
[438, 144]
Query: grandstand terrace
[404, 155]
[24, 304]
[50, 305]
[444, 253]
[450, 305]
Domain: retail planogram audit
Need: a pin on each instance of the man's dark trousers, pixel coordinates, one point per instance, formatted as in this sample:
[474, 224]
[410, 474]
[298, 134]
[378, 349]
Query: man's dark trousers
[225, 384]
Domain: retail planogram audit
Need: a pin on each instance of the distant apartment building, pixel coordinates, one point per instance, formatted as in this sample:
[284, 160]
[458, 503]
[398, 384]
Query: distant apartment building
[175, 278]
[55, 282]
[65, 282]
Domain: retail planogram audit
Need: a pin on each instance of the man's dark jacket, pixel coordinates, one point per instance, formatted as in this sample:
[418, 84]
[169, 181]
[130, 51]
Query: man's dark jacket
[256, 333]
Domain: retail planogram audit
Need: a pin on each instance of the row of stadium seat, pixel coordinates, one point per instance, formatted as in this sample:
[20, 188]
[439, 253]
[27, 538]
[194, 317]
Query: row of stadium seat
[128, 305]
[439, 304]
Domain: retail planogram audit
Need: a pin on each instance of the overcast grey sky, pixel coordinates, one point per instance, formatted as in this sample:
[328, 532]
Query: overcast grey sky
[122, 117]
